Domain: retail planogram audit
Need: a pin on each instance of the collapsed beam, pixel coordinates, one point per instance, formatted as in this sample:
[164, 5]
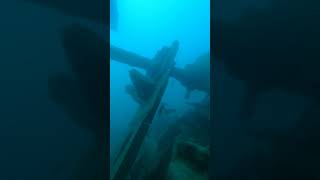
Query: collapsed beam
[129, 58]
[138, 61]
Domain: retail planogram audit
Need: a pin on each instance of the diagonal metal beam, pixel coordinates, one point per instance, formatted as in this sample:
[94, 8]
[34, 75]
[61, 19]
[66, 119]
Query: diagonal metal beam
[144, 116]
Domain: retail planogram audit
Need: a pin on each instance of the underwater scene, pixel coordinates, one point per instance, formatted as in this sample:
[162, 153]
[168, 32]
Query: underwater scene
[159, 89]
[54, 95]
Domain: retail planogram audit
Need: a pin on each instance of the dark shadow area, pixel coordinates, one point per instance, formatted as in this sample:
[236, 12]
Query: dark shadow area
[93, 10]
[267, 52]
[82, 94]
[55, 90]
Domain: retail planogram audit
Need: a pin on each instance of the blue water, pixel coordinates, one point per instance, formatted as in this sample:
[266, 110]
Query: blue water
[144, 27]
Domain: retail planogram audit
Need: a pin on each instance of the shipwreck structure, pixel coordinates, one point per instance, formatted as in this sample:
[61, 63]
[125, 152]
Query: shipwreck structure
[147, 89]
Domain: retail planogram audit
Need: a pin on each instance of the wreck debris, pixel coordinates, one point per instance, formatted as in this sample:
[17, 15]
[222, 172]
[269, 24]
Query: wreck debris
[195, 76]
[189, 161]
[145, 114]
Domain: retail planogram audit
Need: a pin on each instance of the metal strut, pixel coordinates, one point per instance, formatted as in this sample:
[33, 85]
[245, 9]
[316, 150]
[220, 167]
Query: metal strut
[159, 73]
